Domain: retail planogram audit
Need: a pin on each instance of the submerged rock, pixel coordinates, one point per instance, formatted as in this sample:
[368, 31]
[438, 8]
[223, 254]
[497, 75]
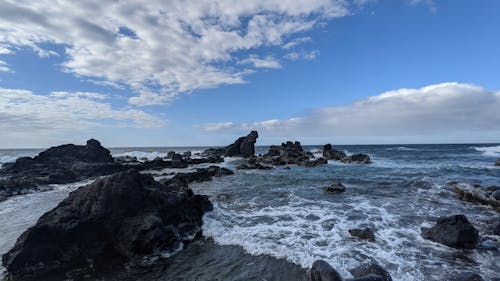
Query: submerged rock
[115, 221]
[365, 233]
[336, 187]
[323, 271]
[467, 276]
[370, 270]
[357, 159]
[453, 231]
[497, 163]
[255, 166]
[477, 194]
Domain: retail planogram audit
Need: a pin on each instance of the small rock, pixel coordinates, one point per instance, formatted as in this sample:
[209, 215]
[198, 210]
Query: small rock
[454, 231]
[366, 233]
[336, 187]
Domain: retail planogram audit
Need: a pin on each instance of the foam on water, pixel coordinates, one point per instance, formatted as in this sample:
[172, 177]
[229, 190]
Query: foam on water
[142, 154]
[493, 151]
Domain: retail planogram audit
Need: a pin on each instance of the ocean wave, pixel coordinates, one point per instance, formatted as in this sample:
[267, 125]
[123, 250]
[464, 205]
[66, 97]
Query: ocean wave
[489, 150]
[142, 154]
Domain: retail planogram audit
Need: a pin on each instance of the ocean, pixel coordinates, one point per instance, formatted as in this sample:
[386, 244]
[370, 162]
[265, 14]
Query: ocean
[273, 224]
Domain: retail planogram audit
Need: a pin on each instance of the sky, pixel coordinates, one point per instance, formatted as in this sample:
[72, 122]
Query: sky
[203, 72]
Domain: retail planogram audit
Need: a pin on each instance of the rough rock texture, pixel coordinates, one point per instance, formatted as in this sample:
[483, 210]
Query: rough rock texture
[336, 187]
[370, 270]
[477, 194]
[330, 153]
[242, 147]
[201, 175]
[365, 233]
[118, 220]
[357, 159]
[289, 153]
[453, 231]
[61, 164]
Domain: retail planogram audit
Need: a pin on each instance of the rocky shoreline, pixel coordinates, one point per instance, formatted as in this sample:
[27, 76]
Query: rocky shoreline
[129, 222]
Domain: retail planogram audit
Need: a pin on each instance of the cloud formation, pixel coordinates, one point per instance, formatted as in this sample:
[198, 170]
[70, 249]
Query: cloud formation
[433, 110]
[161, 48]
[26, 115]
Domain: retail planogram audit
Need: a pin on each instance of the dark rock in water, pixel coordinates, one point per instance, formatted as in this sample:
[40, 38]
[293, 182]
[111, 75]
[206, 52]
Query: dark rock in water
[371, 270]
[126, 159]
[369, 277]
[186, 154]
[496, 231]
[116, 221]
[289, 153]
[357, 159]
[61, 164]
[330, 153]
[366, 233]
[242, 147]
[454, 231]
[256, 166]
[159, 164]
[336, 187]
[497, 163]
[321, 161]
[322, 271]
[468, 276]
[201, 175]
[172, 155]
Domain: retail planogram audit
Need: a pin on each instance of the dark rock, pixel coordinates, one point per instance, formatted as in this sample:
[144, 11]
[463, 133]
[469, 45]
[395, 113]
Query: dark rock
[479, 195]
[322, 271]
[330, 153]
[454, 231]
[126, 159]
[116, 221]
[321, 161]
[369, 277]
[497, 163]
[61, 164]
[256, 166]
[368, 269]
[210, 159]
[357, 159]
[242, 147]
[201, 175]
[496, 231]
[159, 164]
[336, 187]
[366, 233]
[186, 154]
[172, 155]
[467, 276]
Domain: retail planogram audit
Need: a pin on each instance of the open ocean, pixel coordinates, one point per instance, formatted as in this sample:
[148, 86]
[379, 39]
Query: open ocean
[285, 214]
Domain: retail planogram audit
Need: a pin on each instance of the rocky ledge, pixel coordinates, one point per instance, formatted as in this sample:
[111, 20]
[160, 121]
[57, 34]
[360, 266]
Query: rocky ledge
[489, 196]
[127, 219]
[288, 153]
[330, 153]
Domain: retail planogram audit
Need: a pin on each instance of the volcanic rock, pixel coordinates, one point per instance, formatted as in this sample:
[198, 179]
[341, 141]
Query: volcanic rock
[453, 231]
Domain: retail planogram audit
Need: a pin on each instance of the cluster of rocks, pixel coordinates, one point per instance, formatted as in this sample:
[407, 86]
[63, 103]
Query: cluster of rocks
[123, 220]
[242, 147]
[330, 153]
[288, 153]
[477, 194]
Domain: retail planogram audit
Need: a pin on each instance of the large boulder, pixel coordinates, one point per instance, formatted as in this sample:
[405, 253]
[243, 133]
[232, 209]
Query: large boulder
[123, 219]
[370, 270]
[322, 271]
[364, 233]
[242, 147]
[453, 231]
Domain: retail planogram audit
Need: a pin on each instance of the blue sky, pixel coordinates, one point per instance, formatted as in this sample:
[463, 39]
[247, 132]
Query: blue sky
[319, 71]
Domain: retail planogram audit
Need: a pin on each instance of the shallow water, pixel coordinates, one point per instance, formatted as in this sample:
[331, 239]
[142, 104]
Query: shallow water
[284, 213]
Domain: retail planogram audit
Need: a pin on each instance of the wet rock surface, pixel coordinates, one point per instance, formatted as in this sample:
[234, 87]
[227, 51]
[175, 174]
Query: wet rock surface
[242, 147]
[322, 271]
[489, 195]
[453, 231]
[364, 233]
[124, 219]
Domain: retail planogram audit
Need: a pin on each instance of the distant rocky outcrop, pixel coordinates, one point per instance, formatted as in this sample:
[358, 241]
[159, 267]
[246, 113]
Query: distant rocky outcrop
[453, 231]
[323, 271]
[289, 153]
[330, 153]
[242, 147]
[121, 220]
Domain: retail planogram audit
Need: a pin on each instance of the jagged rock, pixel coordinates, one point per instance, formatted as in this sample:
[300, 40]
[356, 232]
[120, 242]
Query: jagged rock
[371, 270]
[242, 147]
[116, 221]
[289, 153]
[366, 233]
[336, 187]
[61, 164]
[357, 159]
[201, 175]
[330, 153]
[453, 231]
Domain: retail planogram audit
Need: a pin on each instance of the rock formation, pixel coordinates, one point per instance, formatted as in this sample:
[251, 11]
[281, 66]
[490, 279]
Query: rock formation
[453, 231]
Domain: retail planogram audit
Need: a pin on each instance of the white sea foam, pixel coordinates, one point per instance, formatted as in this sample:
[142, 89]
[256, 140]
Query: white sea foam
[489, 150]
[305, 231]
[142, 154]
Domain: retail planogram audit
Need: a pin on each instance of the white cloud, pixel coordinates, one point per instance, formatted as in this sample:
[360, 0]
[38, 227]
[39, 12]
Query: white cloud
[296, 42]
[160, 48]
[302, 55]
[438, 110]
[266, 62]
[4, 50]
[4, 67]
[429, 3]
[26, 115]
